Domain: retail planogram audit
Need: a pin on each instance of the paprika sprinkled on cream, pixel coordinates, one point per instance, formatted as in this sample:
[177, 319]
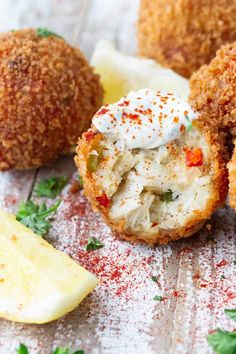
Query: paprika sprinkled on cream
[145, 119]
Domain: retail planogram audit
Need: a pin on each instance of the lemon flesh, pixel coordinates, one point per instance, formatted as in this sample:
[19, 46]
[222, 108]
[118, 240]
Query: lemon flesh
[38, 283]
[121, 73]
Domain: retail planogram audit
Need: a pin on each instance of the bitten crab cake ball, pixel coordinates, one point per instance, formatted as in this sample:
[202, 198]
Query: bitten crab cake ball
[149, 168]
[185, 34]
[48, 95]
[212, 92]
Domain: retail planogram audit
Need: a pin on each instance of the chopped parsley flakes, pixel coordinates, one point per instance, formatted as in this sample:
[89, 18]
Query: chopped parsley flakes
[154, 278]
[189, 125]
[44, 32]
[93, 244]
[158, 298]
[168, 196]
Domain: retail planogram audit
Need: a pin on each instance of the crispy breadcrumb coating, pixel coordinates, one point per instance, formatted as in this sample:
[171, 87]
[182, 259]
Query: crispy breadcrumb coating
[100, 203]
[213, 87]
[48, 94]
[232, 179]
[185, 34]
[213, 90]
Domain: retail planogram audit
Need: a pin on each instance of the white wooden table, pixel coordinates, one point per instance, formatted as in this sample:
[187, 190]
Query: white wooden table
[196, 277]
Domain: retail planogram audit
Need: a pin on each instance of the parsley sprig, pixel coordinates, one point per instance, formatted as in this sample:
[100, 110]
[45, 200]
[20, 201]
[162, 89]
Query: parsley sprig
[50, 187]
[36, 216]
[154, 278]
[59, 350]
[44, 32]
[224, 342]
[94, 244]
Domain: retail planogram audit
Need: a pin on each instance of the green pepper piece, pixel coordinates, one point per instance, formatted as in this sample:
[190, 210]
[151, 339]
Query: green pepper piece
[94, 160]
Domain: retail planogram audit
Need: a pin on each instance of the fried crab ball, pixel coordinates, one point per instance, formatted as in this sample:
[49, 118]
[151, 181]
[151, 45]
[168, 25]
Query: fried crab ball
[149, 168]
[185, 34]
[232, 179]
[48, 95]
[213, 90]
[213, 87]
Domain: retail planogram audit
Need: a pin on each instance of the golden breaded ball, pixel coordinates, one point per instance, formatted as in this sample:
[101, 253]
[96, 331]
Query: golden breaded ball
[213, 87]
[105, 172]
[48, 94]
[212, 93]
[185, 34]
[232, 179]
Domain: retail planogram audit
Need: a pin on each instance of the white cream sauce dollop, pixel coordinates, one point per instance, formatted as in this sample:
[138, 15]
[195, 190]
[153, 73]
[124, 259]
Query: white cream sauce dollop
[145, 119]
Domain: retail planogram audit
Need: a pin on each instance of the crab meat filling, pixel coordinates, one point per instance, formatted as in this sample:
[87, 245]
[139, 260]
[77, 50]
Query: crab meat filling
[156, 189]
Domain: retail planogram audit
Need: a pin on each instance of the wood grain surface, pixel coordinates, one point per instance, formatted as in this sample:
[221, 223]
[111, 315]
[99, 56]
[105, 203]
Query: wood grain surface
[196, 276]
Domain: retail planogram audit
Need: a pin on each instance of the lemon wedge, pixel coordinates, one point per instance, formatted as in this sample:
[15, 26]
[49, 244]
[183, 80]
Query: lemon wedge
[121, 73]
[38, 283]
